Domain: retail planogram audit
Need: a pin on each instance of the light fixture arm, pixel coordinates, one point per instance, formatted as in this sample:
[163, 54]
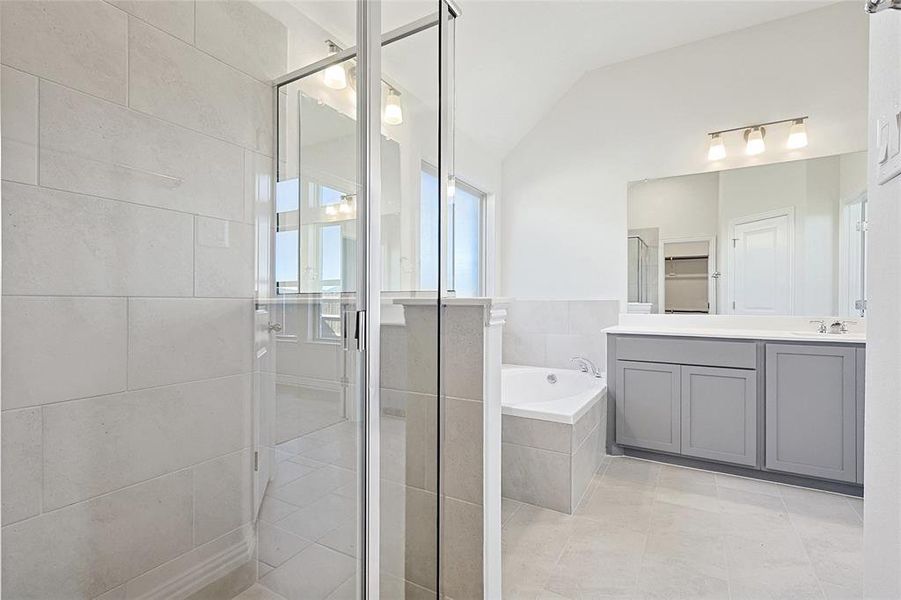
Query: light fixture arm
[759, 125]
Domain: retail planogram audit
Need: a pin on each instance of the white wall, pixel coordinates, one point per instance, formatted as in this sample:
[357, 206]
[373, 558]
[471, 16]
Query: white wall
[882, 465]
[565, 184]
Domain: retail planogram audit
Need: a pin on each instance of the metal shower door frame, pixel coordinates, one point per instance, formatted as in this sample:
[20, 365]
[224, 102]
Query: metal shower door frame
[368, 285]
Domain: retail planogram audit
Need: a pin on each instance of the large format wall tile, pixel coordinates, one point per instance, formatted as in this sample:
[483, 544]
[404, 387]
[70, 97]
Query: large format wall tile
[413, 351]
[79, 44]
[463, 549]
[62, 348]
[68, 244]
[172, 340]
[523, 466]
[462, 450]
[21, 464]
[222, 496]
[176, 82]
[223, 258]
[83, 550]
[101, 444]
[172, 16]
[242, 35]
[96, 147]
[19, 113]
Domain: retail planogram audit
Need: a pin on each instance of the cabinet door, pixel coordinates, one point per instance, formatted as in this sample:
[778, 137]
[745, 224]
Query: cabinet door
[647, 405]
[719, 414]
[811, 420]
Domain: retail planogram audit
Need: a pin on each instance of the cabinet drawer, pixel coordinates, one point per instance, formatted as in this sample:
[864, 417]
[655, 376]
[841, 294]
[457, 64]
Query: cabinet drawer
[688, 351]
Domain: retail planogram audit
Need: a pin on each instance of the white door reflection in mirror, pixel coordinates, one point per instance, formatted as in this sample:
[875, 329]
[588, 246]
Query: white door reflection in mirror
[761, 257]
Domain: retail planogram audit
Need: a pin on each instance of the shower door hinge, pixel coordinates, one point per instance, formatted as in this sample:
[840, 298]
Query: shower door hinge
[861, 225]
[256, 460]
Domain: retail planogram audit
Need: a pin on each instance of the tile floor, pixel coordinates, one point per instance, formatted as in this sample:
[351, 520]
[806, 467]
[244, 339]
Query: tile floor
[646, 530]
[308, 519]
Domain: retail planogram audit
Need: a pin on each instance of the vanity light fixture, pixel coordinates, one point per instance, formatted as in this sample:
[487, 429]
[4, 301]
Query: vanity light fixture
[394, 112]
[797, 135]
[754, 141]
[717, 149]
[334, 76]
[754, 137]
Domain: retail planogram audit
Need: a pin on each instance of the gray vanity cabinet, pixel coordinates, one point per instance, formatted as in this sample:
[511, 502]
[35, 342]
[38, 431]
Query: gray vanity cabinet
[719, 414]
[811, 410]
[648, 405]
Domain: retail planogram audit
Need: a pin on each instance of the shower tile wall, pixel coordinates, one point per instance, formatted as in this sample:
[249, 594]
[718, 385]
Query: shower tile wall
[548, 333]
[129, 132]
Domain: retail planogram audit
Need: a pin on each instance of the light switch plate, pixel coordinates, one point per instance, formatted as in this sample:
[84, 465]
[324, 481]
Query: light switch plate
[888, 145]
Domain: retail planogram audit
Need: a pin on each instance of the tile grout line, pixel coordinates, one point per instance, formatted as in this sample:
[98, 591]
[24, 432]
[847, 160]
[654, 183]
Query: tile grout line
[803, 545]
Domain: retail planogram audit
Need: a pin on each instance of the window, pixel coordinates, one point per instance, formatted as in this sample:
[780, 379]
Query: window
[313, 224]
[313, 241]
[466, 247]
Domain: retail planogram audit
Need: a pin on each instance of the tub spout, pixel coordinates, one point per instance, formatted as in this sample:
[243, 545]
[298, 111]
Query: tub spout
[586, 366]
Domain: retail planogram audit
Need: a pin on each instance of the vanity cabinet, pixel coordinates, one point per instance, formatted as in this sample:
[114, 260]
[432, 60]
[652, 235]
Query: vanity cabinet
[812, 410]
[692, 397]
[719, 414]
[784, 410]
[648, 405]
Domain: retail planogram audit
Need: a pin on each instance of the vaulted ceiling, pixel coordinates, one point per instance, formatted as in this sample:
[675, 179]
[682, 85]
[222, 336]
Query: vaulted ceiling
[516, 58]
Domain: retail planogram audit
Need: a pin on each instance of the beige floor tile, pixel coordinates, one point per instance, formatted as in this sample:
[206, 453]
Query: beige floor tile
[656, 531]
[508, 509]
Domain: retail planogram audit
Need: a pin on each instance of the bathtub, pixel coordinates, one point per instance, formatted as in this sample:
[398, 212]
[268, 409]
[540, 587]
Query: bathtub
[527, 392]
[553, 434]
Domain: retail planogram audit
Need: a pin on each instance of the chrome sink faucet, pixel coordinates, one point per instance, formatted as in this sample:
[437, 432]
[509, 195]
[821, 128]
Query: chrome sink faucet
[822, 327]
[586, 366]
[840, 326]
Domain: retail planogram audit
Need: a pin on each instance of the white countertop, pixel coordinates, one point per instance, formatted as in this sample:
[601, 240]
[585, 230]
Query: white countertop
[854, 337]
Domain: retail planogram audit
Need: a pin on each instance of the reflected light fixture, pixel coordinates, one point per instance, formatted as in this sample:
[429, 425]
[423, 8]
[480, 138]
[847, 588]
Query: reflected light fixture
[754, 138]
[345, 208]
[717, 149]
[394, 113]
[335, 76]
[331, 210]
[797, 135]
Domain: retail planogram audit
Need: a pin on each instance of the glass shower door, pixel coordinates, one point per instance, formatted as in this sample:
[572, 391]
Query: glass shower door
[351, 505]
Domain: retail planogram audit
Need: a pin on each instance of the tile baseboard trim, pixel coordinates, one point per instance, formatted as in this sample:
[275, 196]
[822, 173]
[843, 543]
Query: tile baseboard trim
[202, 571]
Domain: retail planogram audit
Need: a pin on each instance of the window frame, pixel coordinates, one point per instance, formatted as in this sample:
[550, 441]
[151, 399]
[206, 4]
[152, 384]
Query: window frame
[483, 197]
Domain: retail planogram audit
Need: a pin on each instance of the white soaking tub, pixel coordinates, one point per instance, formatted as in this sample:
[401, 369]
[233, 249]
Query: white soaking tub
[528, 392]
[554, 425]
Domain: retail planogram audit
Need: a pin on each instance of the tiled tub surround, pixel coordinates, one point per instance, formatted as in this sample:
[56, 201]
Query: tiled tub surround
[548, 457]
[128, 278]
[548, 333]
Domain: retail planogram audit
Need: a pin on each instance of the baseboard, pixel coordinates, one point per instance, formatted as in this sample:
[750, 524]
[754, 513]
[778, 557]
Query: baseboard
[195, 570]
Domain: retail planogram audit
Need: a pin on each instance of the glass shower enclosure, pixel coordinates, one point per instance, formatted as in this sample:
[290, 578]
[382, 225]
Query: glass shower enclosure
[349, 389]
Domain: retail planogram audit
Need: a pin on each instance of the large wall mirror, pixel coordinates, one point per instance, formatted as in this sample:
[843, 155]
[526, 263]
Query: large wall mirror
[779, 239]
